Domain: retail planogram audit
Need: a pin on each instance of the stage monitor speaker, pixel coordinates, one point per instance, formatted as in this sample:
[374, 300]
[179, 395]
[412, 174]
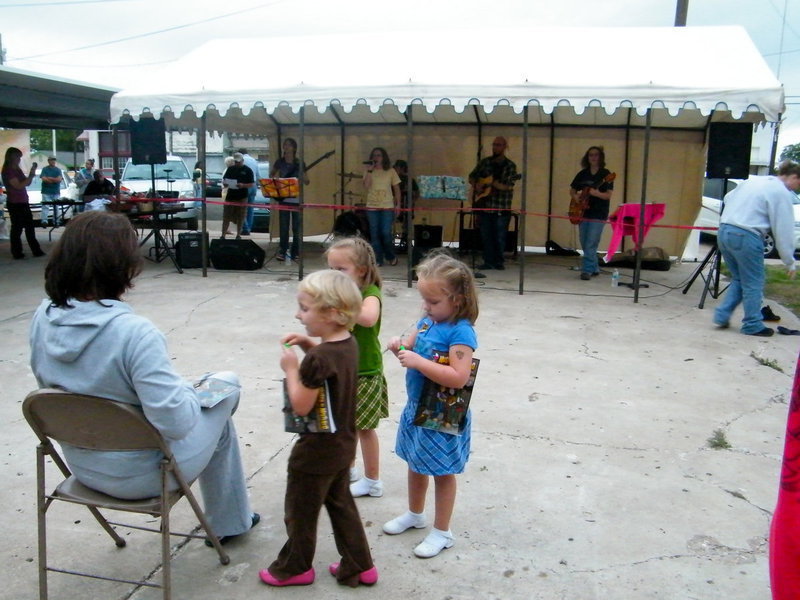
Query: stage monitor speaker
[729, 150]
[427, 236]
[189, 249]
[148, 142]
[239, 255]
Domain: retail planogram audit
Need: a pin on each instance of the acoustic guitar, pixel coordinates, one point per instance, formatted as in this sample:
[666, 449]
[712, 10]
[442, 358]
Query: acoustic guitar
[483, 189]
[578, 206]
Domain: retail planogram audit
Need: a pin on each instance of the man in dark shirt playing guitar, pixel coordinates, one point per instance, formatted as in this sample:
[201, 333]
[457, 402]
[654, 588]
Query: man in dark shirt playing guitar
[493, 188]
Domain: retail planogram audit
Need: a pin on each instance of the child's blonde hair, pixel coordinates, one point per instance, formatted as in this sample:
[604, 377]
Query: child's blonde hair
[334, 290]
[363, 256]
[457, 278]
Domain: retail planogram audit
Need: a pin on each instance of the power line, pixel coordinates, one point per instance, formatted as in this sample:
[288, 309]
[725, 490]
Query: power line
[62, 3]
[156, 32]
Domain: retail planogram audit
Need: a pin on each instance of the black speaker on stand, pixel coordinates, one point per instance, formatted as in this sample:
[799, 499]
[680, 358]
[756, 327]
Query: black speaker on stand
[149, 147]
[729, 150]
[148, 142]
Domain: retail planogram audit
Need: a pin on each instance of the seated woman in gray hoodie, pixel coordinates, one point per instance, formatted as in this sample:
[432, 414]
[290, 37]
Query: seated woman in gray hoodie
[86, 340]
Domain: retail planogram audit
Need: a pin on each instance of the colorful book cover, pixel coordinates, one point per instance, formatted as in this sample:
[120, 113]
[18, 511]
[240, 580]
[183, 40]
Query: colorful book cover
[442, 408]
[211, 391]
[318, 420]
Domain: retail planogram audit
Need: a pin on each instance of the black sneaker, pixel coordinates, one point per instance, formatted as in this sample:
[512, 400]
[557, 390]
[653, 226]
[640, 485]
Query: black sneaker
[766, 332]
[586, 276]
[768, 315]
[255, 519]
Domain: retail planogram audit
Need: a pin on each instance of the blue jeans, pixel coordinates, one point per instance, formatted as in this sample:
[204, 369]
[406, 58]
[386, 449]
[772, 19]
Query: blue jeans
[248, 220]
[743, 252]
[494, 230]
[47, 208]
[590, 233]
[380, 234]
[285, 217]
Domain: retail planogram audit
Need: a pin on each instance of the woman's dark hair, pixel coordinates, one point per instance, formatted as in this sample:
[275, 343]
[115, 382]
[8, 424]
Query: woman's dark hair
[11, 153]
[96, 258]
[386, 164]
[198, 164]
[292, 142]
[585, 159]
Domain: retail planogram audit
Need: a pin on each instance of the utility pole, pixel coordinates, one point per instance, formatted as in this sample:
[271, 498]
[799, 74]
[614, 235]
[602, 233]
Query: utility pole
[2, 51]
[681, 9]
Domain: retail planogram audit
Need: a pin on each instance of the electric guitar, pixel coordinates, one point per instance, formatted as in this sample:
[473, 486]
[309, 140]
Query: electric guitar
[320, 159]
[483, 189]
[578, 206]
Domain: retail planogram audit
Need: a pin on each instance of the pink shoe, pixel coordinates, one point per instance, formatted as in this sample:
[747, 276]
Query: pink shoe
[306, 578]
[368, 577]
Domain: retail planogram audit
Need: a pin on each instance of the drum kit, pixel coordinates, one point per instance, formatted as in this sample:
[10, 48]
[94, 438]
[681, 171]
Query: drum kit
[351, 175]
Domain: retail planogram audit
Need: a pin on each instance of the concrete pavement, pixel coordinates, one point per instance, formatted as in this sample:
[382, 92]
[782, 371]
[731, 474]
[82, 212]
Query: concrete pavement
[591, 476]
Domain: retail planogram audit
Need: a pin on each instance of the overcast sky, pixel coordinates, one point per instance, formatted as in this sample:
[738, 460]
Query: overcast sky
[117, 42]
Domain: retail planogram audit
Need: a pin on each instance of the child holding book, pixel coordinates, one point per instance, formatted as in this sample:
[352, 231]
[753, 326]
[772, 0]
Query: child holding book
[319, 464]
[450, 305]
[354, 257]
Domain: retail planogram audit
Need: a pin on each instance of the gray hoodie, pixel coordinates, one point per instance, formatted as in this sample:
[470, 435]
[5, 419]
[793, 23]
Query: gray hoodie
[104, 349]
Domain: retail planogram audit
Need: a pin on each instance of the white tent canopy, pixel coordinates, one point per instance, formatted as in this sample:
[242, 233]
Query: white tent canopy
[373, 77]
[647, 94]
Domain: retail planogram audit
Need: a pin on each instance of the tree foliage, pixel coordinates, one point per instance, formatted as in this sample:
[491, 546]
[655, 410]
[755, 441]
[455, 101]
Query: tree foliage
[42, 140]
[792, 152]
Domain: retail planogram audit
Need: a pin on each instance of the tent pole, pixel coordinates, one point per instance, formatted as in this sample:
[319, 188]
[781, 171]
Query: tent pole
[550, 175]
[115, 158]
[409, 190]
[524, 203]
[626, 165]
[301, 199]
[201, 151]
[638, 269]
[776, 129]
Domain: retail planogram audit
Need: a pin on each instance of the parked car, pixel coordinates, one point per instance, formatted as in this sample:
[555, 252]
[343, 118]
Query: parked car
[172, 180]
[213, 185]
[711, 208]
[261, 214]
[68, 190]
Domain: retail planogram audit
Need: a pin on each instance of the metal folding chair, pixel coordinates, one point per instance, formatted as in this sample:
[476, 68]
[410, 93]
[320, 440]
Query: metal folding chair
[101, 424]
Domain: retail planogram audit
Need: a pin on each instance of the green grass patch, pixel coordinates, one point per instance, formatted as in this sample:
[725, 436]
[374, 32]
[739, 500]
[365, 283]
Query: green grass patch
[781, 289]
[718, 441]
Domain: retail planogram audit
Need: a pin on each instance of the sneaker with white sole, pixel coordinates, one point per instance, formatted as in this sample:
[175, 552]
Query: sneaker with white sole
[354, 474]
[405, 521]
[434, 543]
[367, 487]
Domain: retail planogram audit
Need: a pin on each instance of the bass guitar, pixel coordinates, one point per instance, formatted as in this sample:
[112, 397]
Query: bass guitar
[483, 189]
[578, 206]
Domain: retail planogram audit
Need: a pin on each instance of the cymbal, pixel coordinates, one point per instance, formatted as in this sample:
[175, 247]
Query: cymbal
[351, 175]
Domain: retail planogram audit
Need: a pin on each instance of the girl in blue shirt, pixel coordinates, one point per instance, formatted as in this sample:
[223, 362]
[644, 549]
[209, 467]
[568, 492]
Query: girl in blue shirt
[450, 309]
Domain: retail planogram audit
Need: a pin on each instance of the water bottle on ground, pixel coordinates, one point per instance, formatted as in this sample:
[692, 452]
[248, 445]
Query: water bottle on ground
[615, 278]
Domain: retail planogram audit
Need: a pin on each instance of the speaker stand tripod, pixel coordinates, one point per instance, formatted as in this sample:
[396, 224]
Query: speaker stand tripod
[711, 278]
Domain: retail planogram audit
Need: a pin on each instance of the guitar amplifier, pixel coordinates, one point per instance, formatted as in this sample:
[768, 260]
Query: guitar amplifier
[239, 255]
[189, 249]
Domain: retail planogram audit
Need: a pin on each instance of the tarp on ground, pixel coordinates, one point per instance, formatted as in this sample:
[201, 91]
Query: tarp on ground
[581, 86]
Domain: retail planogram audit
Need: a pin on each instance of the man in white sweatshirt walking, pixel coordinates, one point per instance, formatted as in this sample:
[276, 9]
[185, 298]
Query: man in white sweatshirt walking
[756, 206]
